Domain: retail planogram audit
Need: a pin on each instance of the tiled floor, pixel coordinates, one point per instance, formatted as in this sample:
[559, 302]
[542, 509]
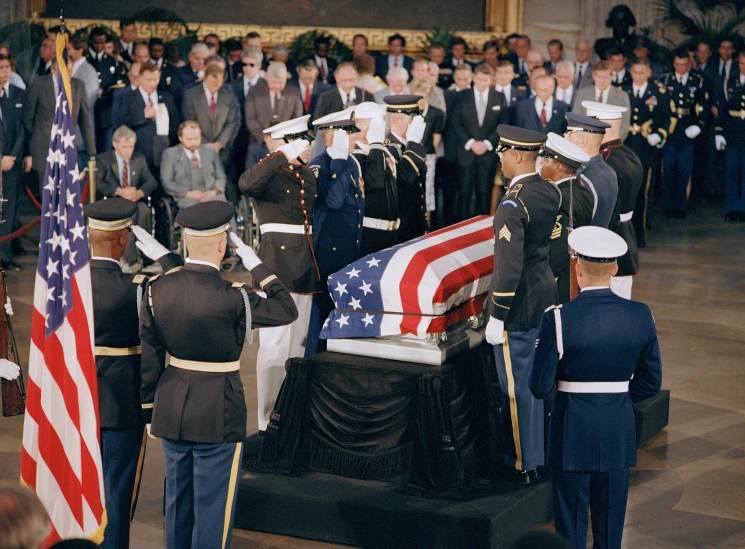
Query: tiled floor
[688, 489]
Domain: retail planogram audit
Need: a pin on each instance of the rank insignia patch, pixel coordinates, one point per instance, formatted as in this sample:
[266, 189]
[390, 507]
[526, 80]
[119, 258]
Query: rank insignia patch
[505, 233]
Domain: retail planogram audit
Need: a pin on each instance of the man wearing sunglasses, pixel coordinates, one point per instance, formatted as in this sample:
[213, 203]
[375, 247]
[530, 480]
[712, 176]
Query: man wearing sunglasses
[251, 59]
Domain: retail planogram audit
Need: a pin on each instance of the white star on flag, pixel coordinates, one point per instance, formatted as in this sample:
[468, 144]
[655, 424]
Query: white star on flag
[341, 288]
[75, 173]
[326, 323]
[355, 304]
[51, 267]
[354, 273]
[366, 288]
[343, 321]
[69, 140]
[54, 241]
[50, 186]
[70, 197]
[50, 293]
[64, 243]
[367, 320]
[373, 262]
[77, 231]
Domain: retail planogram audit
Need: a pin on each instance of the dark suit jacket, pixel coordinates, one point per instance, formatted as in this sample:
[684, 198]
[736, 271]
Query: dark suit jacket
[318, 88]
[13, 133]
[526, 117]
[259, 109]
[466, 124]
[517, 93]
[224, 126]
[108, 180]
[381, 65]
[38, 117]
[330, 101]
[116, 102]
[332, 64]
[181, 78]
[132, 114]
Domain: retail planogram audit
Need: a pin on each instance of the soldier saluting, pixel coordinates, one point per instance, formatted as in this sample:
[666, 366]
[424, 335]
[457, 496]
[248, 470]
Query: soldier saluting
[196, 404]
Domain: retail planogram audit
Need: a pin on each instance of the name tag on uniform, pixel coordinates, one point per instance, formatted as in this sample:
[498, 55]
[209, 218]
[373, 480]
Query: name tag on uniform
[496, 108]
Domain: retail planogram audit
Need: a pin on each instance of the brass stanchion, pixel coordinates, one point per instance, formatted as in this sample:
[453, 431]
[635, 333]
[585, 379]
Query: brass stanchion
[92, 179]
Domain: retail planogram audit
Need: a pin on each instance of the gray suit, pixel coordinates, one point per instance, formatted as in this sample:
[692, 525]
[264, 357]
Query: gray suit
[87, 74]
[616, 96]
[224, 126]
[259, 109]
[176, 177]
[586, 79]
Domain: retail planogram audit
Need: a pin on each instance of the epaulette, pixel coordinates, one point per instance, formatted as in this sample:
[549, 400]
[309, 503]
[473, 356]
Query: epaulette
[270, 155]
[514, 191]
[175, 269]
[139, 279]
[154, 278]
[238, 284]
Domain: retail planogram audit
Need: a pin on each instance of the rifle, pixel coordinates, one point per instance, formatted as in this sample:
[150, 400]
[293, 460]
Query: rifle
[13, 392]
[573, 284]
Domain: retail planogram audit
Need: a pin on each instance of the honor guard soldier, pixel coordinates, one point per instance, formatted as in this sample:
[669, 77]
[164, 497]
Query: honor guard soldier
[283, 192]
[338, 215]
[630, 176]
[600, 352]
[405, 143]
[689, 105]
[381, 221]
[588, 133]
[195, 401]
[522, 287]
[730, 134]
[109, 79]
[558, 163]
[650, 123]
[116, 300]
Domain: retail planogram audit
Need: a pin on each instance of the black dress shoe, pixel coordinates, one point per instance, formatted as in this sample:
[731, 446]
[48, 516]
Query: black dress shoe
[11, 266]
[524, 477]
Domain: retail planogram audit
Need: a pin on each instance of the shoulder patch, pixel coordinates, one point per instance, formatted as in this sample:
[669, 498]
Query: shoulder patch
[238, 284]
[504, 233]
[315, 169]
[139, 279]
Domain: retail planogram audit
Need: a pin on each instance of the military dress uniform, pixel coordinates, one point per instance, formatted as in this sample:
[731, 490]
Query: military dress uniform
[731, 125]
[650, 114]
[116, 300]
[600, 352]
[337, 226]
[689, 106]
[381, 221]
[522, 287]
[110, 78]
[195, 401]
[283, 197]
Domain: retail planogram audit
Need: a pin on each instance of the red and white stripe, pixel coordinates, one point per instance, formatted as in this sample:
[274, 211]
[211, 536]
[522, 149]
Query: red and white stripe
[61, 455]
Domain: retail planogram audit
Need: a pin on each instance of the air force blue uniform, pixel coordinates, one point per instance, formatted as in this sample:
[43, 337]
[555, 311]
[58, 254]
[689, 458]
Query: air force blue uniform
[337, 232]
[592, 435]
[600, 179]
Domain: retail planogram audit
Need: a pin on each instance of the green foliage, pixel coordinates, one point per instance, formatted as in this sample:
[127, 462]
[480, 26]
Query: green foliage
[302, 47]
[709, 20]
[172, 28]
[441, 34]
[23, 41]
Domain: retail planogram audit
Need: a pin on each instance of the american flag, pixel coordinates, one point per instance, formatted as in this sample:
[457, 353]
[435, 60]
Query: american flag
[61, 455]
[418, 287]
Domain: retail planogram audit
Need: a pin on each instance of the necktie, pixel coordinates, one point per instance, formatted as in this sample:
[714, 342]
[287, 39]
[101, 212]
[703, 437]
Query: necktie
[579, 74]
[543, 115]
[323, 70]
[482, 110]
[721, 70]
[306, 100]
[194, 160]
[638, 94]
[600, 97]
[149, 101]
[125, 174]
[395, 61]
[213, 105]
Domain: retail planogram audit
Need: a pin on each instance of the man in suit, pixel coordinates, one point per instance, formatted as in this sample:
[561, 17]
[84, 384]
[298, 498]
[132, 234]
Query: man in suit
[233, 52]
[477, 114]
[618, 59]
[604, 92]
[83, 71]
[127, 38]
[109, 80]
[345, 94]
[277, 103]
[157, 50]
[309, 86]
[458, 48]
[420, 69]
[564, 75]
[555, 49]
[326, 65]
[396, 79]
[598, 374]
[191, 172]
[38, 117]
[544, 113]
[395, 57]
[583, 67]
[437, 55]
[522, 46]
[152, 115]
[251, 59]
[43, 64]
[215, 107]
[133, 76]
[193, 71]
[12, 141]
[124, 173]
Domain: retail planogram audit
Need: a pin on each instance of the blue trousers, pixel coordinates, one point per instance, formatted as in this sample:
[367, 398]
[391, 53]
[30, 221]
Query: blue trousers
[514, 360]
[604, 493]
[735, 180]
[677, 166]
[122, 453]
[319, 312]
[201, 489]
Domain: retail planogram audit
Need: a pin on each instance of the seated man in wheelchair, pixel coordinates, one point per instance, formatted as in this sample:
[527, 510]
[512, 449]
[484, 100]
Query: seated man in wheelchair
[124, 173]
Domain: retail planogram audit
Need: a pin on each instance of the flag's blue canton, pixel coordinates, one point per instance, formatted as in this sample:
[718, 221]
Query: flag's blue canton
[64, 242]
[358, 298]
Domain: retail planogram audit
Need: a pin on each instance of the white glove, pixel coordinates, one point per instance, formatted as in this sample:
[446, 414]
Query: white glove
[494, 331]
[9, 370]
[720, 142]
[415, 131]
[8, 307]
[149, 433]
[293, 149]
[149, 247]
[654, 139]
[339, 149]
[245, 252]
[376, 131]
[692, 132]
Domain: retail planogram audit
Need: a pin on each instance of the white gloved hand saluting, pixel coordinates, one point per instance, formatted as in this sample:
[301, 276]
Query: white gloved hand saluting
[8, 307]
[494, 332]
[692, 132]
[150, 248]
[293, 149]
[9, 370]
[376, 131]
[720, 142]
[245, 252]
[654, 139]
[339, 149]
[415, 131]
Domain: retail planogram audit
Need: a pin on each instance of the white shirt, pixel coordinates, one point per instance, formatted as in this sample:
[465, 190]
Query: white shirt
[589, 288]
[190, 155]
[127, 47]
[105, 259]
[682, 79]
[482, 101]
[273, 98]
[247, 82]
[77, 65]
[618, 77]
[549, 107]
[519, 177]
[507, 91]
[727, 68]
[581, 67]
[605, 94]
[457, 62]
[565, 95]
[401, 139]
[395, 61]
[153, 96]
[120, 164]
[303, 87]
[199, 262]
[522, 66]
[6, 89]
[208, 94]
[742, 80]
[94, 55]
[158, 63]
[347, 98]
[321, 62]
[638, 91]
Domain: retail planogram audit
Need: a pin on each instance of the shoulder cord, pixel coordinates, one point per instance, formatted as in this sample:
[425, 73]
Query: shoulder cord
[247, 305]
[559, 333]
